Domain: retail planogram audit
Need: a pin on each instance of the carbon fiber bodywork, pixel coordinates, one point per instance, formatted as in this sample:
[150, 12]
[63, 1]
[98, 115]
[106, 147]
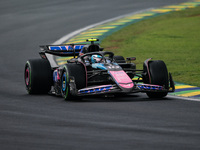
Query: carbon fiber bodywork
[107, 76]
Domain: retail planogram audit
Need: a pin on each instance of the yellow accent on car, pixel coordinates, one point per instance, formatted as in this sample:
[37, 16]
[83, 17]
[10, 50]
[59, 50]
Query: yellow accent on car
[92, 40]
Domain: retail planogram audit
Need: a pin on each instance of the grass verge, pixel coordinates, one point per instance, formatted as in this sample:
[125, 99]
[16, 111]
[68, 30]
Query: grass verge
[173, 38]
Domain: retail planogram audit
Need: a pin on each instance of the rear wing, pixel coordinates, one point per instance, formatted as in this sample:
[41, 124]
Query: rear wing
[68, 49]
[62, 50]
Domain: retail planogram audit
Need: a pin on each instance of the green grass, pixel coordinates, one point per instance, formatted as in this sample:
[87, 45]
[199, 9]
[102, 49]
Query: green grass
[173, 38]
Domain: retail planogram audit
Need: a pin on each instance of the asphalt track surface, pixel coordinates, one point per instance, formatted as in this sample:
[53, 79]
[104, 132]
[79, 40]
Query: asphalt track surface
[43, 122]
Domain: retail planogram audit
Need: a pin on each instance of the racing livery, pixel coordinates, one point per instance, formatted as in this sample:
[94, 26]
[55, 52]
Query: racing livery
[92, 71]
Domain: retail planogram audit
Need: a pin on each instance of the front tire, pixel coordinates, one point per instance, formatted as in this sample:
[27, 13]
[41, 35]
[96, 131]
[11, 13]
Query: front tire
[157, 75]
[78, 73]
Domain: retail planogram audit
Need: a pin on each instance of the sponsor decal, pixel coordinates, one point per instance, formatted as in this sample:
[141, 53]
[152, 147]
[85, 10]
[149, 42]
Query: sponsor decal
[99, 89]
[69, 47]
[129, 85]
[122, 79]
[149, 87]
[56, 76]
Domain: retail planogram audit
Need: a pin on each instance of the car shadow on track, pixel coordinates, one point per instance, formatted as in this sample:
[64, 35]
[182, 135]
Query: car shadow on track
[136, 97]
[124, 98]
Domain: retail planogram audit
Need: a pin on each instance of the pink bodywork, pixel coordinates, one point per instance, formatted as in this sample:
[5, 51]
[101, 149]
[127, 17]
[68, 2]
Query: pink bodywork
[122, 79]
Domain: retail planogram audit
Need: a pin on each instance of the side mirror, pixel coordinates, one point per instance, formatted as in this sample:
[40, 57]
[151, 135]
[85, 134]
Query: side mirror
[130, 59]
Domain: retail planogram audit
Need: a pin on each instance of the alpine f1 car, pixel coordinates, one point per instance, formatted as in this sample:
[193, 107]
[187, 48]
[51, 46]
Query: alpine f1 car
[92, 71]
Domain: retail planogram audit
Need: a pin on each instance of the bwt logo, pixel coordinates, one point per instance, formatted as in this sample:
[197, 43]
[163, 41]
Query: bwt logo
[150, 87]
[97, 90]
[76, 47]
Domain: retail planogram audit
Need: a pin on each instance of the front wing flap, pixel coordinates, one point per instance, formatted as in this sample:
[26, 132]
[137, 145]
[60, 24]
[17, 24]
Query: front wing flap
[96, 90]
[112, 88]
[149, 88]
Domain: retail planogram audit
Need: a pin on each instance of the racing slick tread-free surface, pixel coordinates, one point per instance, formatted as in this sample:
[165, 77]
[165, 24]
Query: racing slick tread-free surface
[77, 71]
[40, 76]
[79, 74]
[159, 76]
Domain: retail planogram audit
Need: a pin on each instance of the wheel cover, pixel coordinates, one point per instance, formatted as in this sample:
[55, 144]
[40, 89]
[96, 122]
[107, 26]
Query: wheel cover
[64, 84]
[27, 76]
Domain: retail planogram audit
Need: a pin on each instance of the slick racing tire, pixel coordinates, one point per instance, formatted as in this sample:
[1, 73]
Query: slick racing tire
[74, 72]
[38, 76]
[119, 59]
[158, 76]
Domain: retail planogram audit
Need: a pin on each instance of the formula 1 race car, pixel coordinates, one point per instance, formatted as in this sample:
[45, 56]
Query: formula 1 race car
[92, 71]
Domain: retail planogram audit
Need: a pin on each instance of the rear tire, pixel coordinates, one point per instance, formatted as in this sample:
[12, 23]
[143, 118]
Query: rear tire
[38, 76]
[77, 71]
[158, 76]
